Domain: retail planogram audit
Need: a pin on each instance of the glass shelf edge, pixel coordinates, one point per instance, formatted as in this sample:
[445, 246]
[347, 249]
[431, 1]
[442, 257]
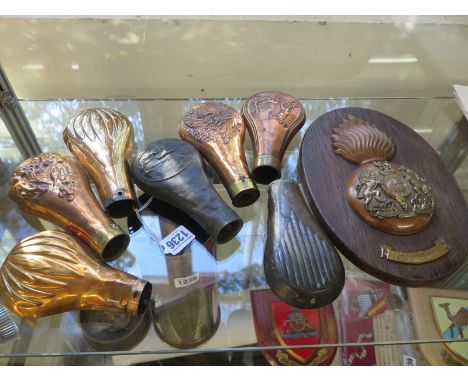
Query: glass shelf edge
[133, 99]
[233, 349]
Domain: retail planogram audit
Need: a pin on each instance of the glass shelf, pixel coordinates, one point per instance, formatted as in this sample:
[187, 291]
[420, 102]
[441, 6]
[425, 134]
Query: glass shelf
[235, 268]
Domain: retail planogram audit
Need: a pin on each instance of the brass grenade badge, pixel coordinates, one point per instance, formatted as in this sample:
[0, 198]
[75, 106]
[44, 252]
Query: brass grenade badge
[389, 197]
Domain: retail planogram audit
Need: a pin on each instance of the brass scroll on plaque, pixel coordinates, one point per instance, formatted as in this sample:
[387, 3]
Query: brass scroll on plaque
[440, 249]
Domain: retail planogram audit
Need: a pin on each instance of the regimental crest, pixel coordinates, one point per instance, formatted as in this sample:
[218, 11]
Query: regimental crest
[360, 142]
[296, 327]
[366, 308]
[381, 193]
[394, 191]
[280, 324]
[41, 174]
[212, 121]
[451, 316]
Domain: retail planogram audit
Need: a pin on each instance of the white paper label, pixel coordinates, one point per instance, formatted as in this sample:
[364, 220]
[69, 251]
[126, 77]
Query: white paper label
[176, 241]
[182, 282]
[409, 361]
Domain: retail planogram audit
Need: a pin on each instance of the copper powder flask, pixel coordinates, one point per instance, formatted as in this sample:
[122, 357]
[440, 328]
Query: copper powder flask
[55, 187]
[53, 272]
[217, 131]
[102, 141]
[272, 119]
[172, 171]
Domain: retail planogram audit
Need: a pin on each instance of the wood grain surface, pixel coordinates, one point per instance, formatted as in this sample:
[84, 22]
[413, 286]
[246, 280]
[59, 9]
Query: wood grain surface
[426, 327]
[324, 175]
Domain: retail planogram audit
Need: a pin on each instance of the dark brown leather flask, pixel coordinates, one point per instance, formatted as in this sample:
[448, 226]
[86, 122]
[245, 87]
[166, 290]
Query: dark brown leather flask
[301, 266]
[172, 171]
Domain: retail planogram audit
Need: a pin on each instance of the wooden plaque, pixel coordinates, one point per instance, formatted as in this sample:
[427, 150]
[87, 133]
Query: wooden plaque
[324, 175]
[280, 324]
[438, 314]
[367, 314]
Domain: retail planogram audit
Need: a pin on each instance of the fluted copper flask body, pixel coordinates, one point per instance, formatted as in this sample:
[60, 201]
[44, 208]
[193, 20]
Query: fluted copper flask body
[102, 141]
[53, 272]
[172, 171]
[301, 265]
[217, 131]
[272, 118]
[55, 187]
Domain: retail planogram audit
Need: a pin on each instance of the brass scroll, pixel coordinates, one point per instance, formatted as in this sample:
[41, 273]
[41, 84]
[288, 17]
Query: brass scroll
[440, 249]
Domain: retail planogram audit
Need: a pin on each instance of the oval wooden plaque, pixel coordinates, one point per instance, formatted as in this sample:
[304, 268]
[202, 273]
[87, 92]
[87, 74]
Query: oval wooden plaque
[324, 175]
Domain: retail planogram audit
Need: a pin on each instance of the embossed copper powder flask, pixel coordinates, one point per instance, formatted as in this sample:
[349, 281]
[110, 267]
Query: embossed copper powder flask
[102, 141]
[272, 118]
[301, 266]
[172, 171]
[218, 131]
[390, 197]
[55, 187]
[53, 272]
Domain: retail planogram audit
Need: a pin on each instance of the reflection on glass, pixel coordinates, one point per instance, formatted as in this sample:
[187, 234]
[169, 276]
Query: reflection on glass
[14, 225]
[240, 262]
[185, 309]
[107, 331]
[48, 119]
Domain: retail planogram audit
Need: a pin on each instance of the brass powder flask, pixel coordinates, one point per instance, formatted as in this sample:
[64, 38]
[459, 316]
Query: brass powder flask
[272, 119]
[55, 187]
[217, 131]
[102, 141]
[53, 272]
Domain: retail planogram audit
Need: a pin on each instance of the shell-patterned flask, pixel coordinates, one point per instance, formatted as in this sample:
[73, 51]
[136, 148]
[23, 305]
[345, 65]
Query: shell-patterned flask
[102, 141]
[53, 272]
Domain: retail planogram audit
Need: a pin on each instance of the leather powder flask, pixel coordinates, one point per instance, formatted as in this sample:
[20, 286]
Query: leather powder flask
[272, 119]
[301, 266]
[53, 272]
[172, 171]
[102, 141]
[185, 311]
[55, 187]
[217, 131]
